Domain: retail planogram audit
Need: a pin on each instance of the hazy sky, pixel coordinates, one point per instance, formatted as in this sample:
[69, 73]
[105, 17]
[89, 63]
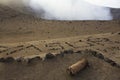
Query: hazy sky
[106, 3]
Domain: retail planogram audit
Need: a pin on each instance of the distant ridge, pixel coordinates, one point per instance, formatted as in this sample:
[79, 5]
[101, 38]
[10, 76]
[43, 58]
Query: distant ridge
[6, 13]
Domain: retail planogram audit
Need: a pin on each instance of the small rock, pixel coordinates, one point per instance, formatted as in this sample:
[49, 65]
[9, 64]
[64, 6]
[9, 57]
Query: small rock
[107, 60]
[94, 53]
[91, 44]
[49, 56]
[22, 60]
[106, 39]
[8, 59]
[111, 62]
[18, 60]
[61, 54]
[68, 51]
[80, 40]
[99, 56]
[78, 51]
[2, 59]
[105, 50]
[34, 59]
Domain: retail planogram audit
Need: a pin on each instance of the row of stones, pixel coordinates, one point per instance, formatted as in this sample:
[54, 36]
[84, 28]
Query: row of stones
[51, 56]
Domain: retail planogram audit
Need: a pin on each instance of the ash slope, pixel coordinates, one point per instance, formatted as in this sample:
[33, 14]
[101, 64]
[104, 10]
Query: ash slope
[25, 36]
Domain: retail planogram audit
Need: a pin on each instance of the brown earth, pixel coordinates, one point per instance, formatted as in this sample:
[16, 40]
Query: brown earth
[25, 37]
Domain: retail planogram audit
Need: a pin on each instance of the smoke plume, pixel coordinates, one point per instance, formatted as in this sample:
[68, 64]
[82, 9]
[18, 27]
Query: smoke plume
[69, 10]
[63, 9]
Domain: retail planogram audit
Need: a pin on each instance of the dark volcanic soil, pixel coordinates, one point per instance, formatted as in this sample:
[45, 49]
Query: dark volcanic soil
[55, 69]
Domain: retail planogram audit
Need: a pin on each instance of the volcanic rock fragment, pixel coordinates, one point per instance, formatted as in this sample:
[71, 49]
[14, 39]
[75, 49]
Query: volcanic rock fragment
[49, 56]
[37, 58]
[70, 51]
[8, 59]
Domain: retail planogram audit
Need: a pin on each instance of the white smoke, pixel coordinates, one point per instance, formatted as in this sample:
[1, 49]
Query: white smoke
[63, 9]
[69, 10]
